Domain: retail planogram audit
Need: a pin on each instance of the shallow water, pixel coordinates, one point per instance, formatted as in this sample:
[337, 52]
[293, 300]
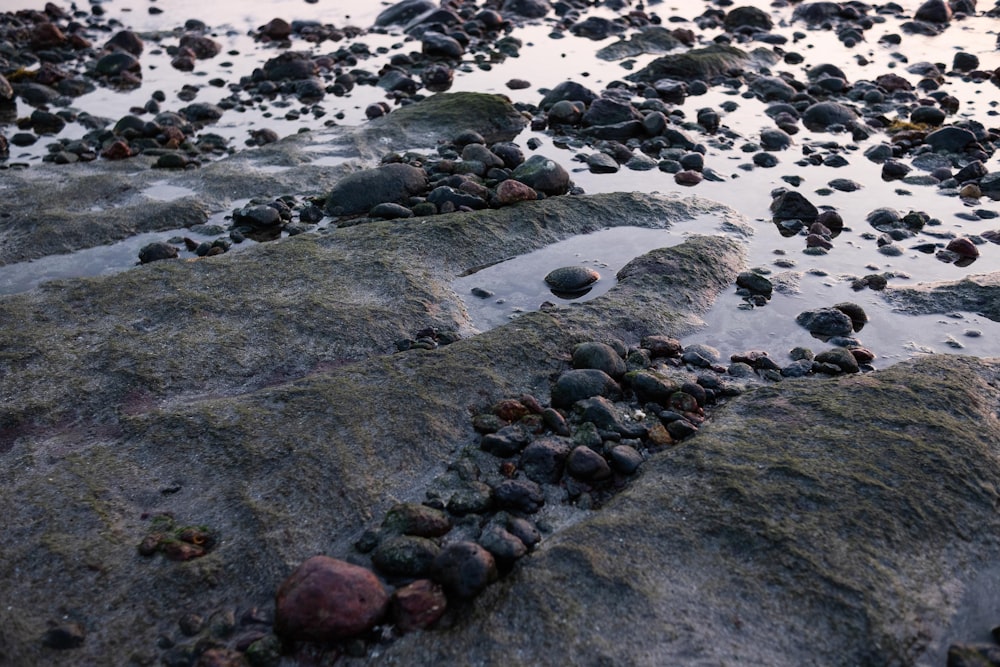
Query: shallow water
[545, 61]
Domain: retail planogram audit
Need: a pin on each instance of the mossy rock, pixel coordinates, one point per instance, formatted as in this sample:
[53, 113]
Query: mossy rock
[694, 65]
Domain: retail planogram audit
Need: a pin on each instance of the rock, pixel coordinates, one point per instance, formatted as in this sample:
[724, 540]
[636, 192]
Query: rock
[625, 459]
[600, 356]
[826, 322]
[857, 314]
[601, 412]
[792, 205]
[476, 498]
[405, 556]
[688, 177]
[508, 441]
[601, 163]
[840, 357]
[154, 252]
[701, 355]
[415, 519]
[747, 17]
[258, 216]
[117, 63]
[571, 279]
[662, 346]
[650, 386]
[700, 64]
[290, 66]
[568, 91]
[524, 530]
[511, 191]
[973, 655]
[587, 465]
[276, 29]
[820, 117]
[755, 283]
[362, 190]
[403, 12]
[390, 211]
[933, 11]
[418, 605]
[928, 115]
[64, 636]
[950, 139]
[542, 461]
[437, 45]
[965, 62]
[606, 111]
[519, 495]
[326, 599]
[543, 175]
[464, 569]
[578, 384]
[203, 47]
[503, 546]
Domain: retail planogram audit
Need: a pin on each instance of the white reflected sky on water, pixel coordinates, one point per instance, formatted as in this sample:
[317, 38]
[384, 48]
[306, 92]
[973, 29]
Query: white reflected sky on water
[545, 62]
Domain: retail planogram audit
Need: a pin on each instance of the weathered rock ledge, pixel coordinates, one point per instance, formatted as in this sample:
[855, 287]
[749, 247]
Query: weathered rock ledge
[846, 521]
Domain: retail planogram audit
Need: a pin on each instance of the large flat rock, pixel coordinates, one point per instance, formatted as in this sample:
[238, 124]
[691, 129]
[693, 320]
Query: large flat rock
[255, 393]
[848, 522]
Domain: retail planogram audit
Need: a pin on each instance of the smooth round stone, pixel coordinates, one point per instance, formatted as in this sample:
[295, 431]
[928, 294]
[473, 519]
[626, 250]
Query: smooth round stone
[464, 569]
[156, 251]
[326, 599]
[572, 278]
[600, 356]
[586, 464]
[406, 556]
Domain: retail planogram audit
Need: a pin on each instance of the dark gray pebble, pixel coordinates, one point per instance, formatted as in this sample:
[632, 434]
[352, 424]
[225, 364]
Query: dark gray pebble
[520, 495]
[405, 556]
[542, 461]
[587, 465]
[625, 459]
[464, 569]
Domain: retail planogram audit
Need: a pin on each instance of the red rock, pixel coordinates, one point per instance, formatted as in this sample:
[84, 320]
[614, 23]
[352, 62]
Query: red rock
[662, 346]
[510, 410]
[117, 151]
[326, 599]
[511, 192]
[418, 606]
[276, 29]
[963, 247]
[687, 177]
[47, 35]
[221, 657]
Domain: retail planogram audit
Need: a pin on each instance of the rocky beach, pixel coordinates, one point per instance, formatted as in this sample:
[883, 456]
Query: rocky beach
[274, 391]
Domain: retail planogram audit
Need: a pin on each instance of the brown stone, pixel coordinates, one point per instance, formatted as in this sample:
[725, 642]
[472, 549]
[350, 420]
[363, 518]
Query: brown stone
[119, 150]
[418, 606]
[510, 410]
[277, 29]
[662, 346]
[659, 436]
[511, 192]
[326, 599]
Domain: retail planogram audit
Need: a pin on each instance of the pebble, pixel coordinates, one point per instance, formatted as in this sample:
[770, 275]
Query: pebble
[464, 569]
[578, 384]
[64, 636]
[416, 519]
[826, 322]
[571, 279]
[543, 460]
[156, 251]
[326, 599]
[418, 605]
[600, 356]
[585, 464]
[519, 495]
[405, 556]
